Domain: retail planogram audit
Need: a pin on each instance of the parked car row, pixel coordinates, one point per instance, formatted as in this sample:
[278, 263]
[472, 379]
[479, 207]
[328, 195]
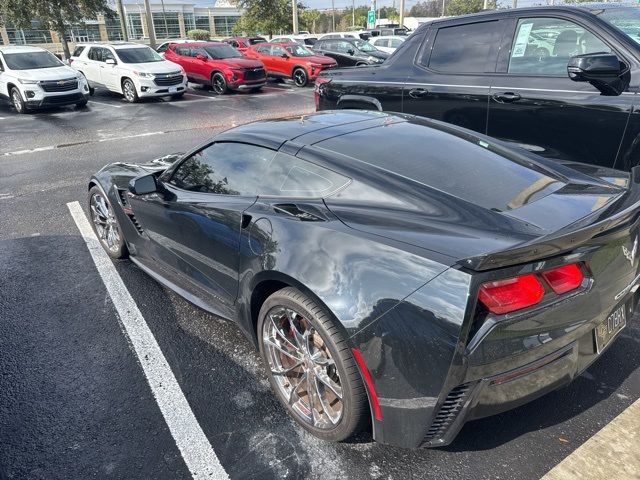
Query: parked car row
[561, 82]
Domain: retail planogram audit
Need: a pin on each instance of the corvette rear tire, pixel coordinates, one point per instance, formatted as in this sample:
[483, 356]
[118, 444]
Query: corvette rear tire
[106, 225]
[310, 366]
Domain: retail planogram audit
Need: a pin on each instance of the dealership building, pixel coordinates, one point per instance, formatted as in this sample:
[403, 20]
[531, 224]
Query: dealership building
[171, 19]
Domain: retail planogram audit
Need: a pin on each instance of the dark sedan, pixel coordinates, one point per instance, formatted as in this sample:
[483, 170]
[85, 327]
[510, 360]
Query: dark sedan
[392, 270]
[349, 52]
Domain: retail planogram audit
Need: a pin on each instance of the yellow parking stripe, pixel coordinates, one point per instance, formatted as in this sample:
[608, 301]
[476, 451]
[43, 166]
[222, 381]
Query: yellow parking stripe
[612, 453]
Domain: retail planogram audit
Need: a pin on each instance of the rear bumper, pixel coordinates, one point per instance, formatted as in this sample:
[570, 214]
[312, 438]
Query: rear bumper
[490, 388]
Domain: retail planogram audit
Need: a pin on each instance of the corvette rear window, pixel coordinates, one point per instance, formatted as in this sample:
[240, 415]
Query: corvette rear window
[454, 165]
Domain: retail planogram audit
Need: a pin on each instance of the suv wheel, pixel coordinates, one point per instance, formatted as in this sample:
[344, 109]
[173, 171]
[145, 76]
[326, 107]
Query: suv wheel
[300, 77]
[129, 91]
[17, 102]
[218, 83]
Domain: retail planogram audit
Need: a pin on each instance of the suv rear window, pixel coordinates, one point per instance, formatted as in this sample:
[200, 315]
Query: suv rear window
[474, 171]
[464, 48]
[78, 51]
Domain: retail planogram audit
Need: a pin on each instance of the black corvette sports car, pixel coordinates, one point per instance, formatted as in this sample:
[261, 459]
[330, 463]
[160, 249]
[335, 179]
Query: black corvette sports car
[390, 269]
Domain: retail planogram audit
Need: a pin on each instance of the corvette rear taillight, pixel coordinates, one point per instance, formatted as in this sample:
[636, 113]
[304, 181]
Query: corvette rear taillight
[564, 279]
[511, 294]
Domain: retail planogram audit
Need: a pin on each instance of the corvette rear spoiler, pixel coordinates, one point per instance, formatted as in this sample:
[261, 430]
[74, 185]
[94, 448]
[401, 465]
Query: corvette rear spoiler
[624, 211]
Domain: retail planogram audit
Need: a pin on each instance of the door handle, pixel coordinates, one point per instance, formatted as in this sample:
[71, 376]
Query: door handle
[418, 92]
[507, 97]
[101, 66]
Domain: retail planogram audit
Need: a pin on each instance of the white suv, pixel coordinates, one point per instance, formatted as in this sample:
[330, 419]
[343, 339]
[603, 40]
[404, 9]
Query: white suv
[32, 77]
[131, 69]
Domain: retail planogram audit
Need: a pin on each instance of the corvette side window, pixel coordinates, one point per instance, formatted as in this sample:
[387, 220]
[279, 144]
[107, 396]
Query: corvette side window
[224, 169]
[289, 176]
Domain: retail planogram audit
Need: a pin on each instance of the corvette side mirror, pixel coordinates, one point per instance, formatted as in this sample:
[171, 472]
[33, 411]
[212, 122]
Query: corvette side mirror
[143, 185]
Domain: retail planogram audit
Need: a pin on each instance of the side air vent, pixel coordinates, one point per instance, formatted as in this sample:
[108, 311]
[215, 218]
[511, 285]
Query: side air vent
[126, 207]
[448, 412]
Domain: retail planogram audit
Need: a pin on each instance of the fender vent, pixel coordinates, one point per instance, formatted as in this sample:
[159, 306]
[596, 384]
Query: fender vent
[126, 207]
[448, 412]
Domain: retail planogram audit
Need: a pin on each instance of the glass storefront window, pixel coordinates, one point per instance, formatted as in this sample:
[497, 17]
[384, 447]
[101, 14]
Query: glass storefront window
[134, 26]
[169, 30]
[189, 22]
[224, 25]
[202, 22]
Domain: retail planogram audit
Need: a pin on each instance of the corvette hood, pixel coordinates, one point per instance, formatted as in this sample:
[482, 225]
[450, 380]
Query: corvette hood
[119, 173]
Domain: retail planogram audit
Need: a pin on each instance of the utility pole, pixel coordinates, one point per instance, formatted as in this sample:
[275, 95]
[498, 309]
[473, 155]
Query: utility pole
[402, 13]
[294, 4]
[486, 5]
[123, 22]
[152, 33]
[333, 16]
[442, 9]
[353, 13]
[515, 3]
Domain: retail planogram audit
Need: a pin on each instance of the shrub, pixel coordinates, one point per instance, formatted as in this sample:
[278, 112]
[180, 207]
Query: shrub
[198, 34]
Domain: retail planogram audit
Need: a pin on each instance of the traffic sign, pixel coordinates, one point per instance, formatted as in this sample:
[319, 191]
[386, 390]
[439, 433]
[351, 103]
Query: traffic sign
[371, 16]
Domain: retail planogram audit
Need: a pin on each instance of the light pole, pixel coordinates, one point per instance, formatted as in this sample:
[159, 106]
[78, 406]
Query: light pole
[442, 8]
[294, 4]
[123, 23]
[353, 13]
[152, 33]
[402, 13]
[164, 16]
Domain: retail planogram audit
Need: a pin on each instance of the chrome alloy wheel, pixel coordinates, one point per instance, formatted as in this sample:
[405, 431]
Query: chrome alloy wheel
[105, 223]
[17, 100]
[302, 368]
[129, 90]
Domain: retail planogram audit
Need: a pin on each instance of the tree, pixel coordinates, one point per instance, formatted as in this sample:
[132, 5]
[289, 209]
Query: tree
[55, 15]
[309, 18]
[265, 16]
[432, 8]
[462, 7]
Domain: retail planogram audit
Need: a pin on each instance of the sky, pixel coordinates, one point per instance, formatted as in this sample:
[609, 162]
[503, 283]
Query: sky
[384, 3]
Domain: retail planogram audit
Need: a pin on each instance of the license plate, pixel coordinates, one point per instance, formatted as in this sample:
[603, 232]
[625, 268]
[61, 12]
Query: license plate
[607, 330]
[173, 89]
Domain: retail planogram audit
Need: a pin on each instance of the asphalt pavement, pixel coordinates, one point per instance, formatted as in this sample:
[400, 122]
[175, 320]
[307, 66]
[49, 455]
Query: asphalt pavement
[74, 400]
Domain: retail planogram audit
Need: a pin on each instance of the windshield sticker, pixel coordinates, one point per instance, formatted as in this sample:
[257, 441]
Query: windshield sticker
[522, 40]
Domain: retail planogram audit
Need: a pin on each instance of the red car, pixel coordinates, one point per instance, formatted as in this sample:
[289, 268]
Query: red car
[292, 60]
[242, 43]
[219, 65]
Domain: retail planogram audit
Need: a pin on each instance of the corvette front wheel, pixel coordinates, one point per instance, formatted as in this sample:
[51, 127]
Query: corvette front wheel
[310, 366]
[105, 224]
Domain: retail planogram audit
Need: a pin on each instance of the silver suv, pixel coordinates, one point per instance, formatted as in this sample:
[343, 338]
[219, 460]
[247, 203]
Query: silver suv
[32, 77]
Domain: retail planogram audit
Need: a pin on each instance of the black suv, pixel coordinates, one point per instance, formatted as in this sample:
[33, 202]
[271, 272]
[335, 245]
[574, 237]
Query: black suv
[559, 81]
[350, 51]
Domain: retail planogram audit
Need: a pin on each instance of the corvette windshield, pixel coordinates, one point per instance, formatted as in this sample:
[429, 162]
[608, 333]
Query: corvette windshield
[626, 20]
[222, 51]
[31, 60]
[299, 51]
[138, 55]
[365, 46]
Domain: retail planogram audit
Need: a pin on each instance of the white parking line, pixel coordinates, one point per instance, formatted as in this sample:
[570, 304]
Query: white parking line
[194, 446]
[613, 452]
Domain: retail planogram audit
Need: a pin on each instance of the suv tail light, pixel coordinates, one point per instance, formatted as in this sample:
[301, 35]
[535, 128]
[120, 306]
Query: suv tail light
[511, 294]
[316, 89]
